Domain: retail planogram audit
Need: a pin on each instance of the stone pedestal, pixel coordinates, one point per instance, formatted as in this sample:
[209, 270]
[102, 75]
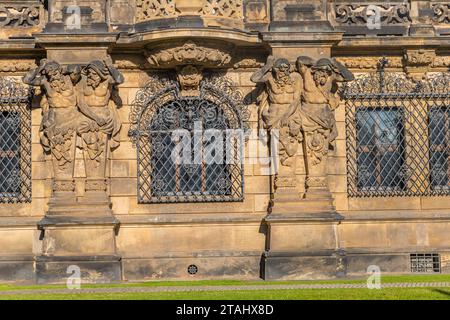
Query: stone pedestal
[303, 246]
[78, 231]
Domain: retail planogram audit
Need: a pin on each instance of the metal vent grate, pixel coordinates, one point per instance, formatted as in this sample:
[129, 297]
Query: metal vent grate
[425, 263]
[192, 269]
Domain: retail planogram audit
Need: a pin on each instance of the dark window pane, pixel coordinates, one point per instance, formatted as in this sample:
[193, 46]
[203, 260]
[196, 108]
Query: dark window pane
[379, 148]
[187, 119]
[439, 135]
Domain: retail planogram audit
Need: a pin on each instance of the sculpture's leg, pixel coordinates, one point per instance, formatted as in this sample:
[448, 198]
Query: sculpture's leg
[63, 159]
[316, 156]
[95, 163]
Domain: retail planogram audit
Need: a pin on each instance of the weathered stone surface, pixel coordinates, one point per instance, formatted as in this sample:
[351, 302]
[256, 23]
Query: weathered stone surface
[89, 213]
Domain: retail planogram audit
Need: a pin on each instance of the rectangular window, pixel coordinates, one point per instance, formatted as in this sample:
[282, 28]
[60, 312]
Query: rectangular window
[9, 154]
[439, 136]
[380, 149]
[398, 135]
[15, 141]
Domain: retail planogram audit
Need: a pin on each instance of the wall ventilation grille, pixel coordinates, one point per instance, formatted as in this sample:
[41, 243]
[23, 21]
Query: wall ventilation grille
[425, 263]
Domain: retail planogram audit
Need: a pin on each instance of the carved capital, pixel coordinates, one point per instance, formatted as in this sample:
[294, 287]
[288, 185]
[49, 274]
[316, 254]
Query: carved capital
[169, 56]
[418, 62]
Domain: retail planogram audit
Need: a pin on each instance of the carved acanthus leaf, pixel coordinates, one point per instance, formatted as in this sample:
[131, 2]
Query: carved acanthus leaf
[190, 53]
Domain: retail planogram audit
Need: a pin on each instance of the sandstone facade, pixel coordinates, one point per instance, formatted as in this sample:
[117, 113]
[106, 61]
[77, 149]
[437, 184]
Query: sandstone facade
[87, 79]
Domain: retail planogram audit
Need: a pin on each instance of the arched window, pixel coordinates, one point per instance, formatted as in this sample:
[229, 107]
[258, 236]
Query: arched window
[15, 141]
[190, 149]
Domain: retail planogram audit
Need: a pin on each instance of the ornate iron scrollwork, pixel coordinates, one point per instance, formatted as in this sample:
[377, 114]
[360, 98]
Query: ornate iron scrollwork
[162, 118]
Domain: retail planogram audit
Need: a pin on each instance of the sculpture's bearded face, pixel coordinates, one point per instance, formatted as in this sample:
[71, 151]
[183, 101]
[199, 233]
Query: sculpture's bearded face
[321, 76]
[53, 73]
[281, 72]
[93, 78]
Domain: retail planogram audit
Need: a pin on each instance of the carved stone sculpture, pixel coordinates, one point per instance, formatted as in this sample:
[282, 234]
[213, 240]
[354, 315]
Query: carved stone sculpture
[296, 106]
[97, 101]
[78, 103]
[319, 99]
[59, 117]
[278, 112]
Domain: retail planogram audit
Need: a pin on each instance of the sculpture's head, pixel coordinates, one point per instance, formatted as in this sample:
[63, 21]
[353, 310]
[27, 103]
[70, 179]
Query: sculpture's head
[281, 69]
[96, 72]
[322, 71]
[52, 70]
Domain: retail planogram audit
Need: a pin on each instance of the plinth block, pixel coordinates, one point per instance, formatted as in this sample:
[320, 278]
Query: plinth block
[309, 265]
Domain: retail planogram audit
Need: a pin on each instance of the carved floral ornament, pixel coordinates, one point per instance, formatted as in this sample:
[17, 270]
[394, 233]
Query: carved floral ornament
[411, 59]
[157, 9]
[359, 14]
[441, 12]
[190, 53]
[19, 15]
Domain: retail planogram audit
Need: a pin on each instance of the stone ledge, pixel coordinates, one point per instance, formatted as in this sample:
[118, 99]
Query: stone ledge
[403, 250]
[407, 215]
[188, 218]
[6, 222]
[48, 258]
[62, 221]
[304, 217]
[198, 254]
[313, 253]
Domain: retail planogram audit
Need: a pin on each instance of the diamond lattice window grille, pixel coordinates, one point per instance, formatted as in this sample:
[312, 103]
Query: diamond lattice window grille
[15, 142]
[167, 126]
[398, 135]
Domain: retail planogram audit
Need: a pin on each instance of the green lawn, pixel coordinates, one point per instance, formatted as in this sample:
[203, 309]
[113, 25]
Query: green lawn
[341, 294]
[306, 294]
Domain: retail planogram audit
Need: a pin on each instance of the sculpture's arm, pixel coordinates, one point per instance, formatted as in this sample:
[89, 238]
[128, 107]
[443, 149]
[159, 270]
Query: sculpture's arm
[116, 75]
[294, 104]
[33, 78]
[74, 71]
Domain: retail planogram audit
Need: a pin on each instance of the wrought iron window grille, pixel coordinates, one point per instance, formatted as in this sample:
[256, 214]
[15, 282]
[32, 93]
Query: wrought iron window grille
[158, 112]
[398, 135]
[15, 141]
